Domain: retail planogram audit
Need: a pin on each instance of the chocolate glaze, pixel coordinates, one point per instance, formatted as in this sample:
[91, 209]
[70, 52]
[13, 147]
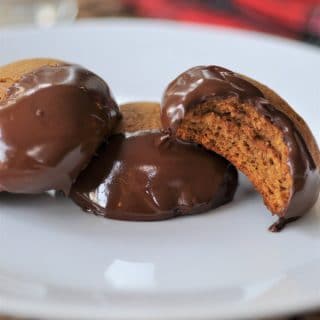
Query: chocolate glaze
[147, 176]
[208, 82]
[281, 223]
[51, 123]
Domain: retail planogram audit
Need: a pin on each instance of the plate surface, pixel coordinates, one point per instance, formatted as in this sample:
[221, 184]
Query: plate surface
[57, 262]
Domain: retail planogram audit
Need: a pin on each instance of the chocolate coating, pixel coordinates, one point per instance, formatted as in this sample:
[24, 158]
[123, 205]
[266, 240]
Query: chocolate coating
[51, 123]
[198, 84]
[147, 176]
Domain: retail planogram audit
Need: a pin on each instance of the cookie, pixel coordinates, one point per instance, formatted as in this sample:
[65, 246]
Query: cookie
[252, 127]
[141, 174]
[139, 116]
[53, 117]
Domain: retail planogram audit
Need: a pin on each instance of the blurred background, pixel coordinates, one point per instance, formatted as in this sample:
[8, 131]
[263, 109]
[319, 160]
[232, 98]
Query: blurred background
[298, 19]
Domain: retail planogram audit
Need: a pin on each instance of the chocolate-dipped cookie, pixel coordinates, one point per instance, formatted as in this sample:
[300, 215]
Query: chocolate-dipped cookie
[53, 117]
[142, 174]
[252, 127]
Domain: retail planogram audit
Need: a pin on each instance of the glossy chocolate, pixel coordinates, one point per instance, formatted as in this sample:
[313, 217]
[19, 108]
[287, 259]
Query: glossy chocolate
[51, 124]
[201, 83]
[148, 176]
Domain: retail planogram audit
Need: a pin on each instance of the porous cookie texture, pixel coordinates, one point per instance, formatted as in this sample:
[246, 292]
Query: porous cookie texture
[53, 117]
[142, 174]
[251, 126]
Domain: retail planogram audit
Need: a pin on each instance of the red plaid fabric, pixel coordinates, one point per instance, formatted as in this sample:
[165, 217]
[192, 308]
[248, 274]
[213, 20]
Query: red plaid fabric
[292, 18]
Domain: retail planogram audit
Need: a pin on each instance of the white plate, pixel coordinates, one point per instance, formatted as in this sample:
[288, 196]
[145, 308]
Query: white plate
[57, 262]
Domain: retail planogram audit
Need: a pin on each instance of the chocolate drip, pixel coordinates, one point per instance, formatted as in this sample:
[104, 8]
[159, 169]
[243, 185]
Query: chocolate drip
[199, 84]
[281, 223]
[146, 176]
[51, 123]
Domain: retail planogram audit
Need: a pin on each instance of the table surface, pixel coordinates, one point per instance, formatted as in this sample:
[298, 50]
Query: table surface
[104, 8]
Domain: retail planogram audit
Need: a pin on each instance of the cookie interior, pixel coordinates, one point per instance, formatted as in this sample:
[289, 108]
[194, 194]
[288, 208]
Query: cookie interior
[237, 132]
